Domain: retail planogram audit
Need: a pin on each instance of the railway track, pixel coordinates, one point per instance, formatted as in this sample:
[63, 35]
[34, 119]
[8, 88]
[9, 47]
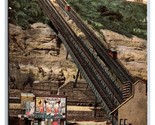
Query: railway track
[75, 49]
[80, 57]
[90, 58]
[97, 67]
[101, 50]
[83, 59]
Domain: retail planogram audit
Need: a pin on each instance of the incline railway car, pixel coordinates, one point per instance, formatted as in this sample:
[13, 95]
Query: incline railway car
[112, 53]
[67, 7]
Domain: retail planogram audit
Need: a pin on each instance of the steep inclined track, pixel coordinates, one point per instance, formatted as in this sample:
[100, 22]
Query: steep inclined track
[101, 50]
[78, 57]
[104, 88]
[75, 49]
[102, 75]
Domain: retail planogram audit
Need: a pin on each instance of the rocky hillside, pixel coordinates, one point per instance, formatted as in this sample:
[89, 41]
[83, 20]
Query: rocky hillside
[37, 52]
[132, 52]
[38, 55]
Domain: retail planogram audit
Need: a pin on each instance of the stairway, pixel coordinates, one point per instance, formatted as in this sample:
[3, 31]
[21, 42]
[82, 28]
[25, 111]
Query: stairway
[127, 90]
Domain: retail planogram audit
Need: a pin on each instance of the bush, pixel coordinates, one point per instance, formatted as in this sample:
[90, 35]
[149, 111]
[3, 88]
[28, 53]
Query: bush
[25, 12]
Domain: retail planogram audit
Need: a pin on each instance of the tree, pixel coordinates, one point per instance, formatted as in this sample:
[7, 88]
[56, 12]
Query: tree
[25, 12]
[124, 17]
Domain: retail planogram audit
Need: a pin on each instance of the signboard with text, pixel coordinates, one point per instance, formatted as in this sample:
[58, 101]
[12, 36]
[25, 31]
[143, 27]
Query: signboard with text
[30, 108]
[26, 97]
[28, 103]
[50, 107]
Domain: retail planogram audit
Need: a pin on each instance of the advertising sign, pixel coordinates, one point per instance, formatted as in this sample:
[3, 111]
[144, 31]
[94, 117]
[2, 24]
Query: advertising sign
[30, 108]
[26, 97]
[50, 107]
[28, 103]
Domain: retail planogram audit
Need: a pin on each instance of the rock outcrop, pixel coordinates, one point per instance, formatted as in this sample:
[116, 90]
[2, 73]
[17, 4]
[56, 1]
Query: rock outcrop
[37, 54]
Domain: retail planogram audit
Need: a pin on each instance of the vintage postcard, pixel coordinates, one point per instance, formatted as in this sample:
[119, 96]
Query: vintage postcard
[81, 62]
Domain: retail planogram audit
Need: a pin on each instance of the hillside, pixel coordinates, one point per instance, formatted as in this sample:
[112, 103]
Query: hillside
[44, 49]
[124, 17]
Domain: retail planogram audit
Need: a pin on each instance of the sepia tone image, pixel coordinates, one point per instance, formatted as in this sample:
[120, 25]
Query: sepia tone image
[77, 62]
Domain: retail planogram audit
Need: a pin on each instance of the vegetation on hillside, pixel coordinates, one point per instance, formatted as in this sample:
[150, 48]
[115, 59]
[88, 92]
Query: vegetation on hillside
[124, 17]
[25, 12]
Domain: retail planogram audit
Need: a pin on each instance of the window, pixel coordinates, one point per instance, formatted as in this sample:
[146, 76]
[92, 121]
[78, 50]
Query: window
[125, 122]
[121, 122]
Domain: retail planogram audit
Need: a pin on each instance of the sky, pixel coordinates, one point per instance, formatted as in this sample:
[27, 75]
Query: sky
[4, 62]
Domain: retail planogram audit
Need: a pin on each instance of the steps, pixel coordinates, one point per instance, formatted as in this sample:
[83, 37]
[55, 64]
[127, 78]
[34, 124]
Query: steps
[127, 90]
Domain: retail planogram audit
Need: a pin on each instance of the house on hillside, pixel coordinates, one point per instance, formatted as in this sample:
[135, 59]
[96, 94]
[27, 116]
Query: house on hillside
[139, 1]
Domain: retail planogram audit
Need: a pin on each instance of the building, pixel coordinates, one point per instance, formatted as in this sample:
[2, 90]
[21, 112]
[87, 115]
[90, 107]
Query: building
[139, 1]
[134, 110]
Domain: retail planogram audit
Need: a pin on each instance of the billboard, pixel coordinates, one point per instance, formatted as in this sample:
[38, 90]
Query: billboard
[26, 97]
[50, 107]
[28, 103]
[30, 107]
